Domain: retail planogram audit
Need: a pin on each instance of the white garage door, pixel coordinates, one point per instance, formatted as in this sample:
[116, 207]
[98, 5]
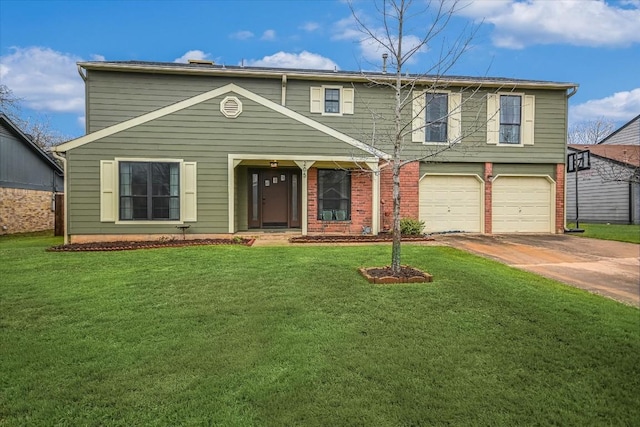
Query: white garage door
[451, 203]
[522, 204]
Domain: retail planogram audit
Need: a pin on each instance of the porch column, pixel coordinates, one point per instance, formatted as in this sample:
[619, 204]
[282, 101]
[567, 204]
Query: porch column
[304, 165]
[231, 191]
[375, 197]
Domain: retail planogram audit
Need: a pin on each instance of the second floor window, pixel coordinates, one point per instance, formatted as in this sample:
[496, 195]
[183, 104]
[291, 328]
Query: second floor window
[149, 191]
[437, 117]
[332, 101]
[510, 119]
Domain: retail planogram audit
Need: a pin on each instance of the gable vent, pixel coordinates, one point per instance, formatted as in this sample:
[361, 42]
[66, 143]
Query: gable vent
[231, 107]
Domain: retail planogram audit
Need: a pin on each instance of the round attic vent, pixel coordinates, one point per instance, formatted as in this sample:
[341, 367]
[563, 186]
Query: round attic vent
[231, 107]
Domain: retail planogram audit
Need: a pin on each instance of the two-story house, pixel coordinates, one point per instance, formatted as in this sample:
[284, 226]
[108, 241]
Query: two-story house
[226, 149]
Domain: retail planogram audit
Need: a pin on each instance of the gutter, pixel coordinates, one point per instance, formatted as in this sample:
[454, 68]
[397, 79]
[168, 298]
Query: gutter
[320, 75]
[63, 159]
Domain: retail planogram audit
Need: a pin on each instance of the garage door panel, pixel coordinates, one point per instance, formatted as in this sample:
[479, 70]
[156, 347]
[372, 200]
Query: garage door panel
[449, 203]
[522, 204]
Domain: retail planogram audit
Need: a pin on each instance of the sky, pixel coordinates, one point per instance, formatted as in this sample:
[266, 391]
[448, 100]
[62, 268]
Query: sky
[595, 44]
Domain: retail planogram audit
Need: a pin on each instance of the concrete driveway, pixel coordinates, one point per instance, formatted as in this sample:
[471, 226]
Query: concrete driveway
[611, 269]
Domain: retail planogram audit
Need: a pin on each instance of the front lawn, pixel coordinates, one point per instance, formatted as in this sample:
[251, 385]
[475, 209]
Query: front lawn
[619, 232]
[241, 336]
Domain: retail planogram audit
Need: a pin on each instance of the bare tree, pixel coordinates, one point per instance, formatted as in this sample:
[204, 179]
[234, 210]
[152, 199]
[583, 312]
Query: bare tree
[590, 131]
[38, 128]
[391, 129]
[626, 167]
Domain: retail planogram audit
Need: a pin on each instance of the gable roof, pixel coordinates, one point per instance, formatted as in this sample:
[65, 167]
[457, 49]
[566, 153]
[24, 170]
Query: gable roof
[624, 154]
[306, 74]
[189, 102]
[626, 125]
[22, 137]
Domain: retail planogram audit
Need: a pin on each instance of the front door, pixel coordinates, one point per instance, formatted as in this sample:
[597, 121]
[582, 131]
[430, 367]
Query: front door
[274, 198]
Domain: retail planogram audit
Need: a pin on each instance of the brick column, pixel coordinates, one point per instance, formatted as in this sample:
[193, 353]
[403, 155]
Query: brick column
[560, 181]
[488, 194]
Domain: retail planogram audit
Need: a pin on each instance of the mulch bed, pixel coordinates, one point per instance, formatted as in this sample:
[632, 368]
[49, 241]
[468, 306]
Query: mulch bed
[383, 275]
[365, 238]
[127, 246]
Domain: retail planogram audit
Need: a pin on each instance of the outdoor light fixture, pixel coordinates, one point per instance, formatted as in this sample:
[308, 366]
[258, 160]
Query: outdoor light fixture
[273, 163]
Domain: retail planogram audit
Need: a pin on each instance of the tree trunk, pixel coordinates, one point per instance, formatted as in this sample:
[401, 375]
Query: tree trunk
[397, 236]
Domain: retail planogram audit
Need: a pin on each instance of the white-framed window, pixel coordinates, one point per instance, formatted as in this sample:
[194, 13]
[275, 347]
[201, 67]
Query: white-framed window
[437, 117]
[334, 195]
[510, 119]
[331, 100]
[149, 191]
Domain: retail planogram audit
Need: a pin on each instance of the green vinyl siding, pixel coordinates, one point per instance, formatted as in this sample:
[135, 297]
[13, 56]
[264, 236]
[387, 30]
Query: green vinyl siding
[113, 97]
[202, 134]
[524, 169]
[452, 168]
[378, 102]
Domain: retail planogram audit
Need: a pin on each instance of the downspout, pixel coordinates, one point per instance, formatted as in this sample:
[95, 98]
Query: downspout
[566, 151]
[283, 101]
[63, 159]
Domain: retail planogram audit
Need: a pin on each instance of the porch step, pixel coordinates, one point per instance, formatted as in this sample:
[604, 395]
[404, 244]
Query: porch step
[269, 237]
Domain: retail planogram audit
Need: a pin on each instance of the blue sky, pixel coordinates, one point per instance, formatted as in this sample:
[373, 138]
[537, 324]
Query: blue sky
[593, 43]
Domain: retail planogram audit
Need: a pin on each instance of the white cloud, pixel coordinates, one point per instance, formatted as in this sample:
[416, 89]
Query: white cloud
[593, 23]
[303, 59]
[192, 54]
[371, 50]
[310, 26]
[268, 35]
[621, 106]
[242, 35]
[46, 80]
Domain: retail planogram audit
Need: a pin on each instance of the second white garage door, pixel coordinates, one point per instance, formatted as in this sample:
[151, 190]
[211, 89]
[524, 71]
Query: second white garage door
[522, 204]
[451, 203]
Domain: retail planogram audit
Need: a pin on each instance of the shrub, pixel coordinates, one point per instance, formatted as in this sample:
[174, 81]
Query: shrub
[411, 227]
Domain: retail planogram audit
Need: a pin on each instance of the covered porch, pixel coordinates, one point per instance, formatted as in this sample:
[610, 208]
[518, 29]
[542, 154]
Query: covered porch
[279, 192]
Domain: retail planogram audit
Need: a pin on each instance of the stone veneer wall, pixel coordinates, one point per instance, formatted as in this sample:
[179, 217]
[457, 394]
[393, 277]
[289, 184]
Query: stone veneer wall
[23, 211]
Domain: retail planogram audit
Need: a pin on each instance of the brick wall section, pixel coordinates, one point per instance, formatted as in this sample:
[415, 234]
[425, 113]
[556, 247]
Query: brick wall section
[488, 191]
[361, 196]
[409, 194]
[560, 198]
[24, 211]
[360, 205]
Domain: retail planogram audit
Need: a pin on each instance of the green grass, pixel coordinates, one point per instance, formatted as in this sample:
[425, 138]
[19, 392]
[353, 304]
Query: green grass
[273, 336]
[618, 232]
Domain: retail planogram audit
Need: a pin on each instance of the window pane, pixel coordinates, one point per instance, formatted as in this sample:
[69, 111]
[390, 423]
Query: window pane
[334, 194]
[510, 134]
[174, 208]
[332, 100]
[140, 207]
[254, 196]
[160, 208]
[509, 109]
[126, 209]
[160, 177]
[139, 177]
[294, 197]
[437, 111]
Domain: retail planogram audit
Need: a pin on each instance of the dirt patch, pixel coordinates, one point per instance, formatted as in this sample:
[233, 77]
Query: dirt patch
[356, 238]
[383, 275]
[126, 246]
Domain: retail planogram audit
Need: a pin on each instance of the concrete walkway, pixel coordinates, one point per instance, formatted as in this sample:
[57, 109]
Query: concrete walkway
[608, 268]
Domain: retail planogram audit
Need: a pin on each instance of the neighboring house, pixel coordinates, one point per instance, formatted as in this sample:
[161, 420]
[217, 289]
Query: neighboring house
[229, 149]
[610, 190]
[29, 181]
